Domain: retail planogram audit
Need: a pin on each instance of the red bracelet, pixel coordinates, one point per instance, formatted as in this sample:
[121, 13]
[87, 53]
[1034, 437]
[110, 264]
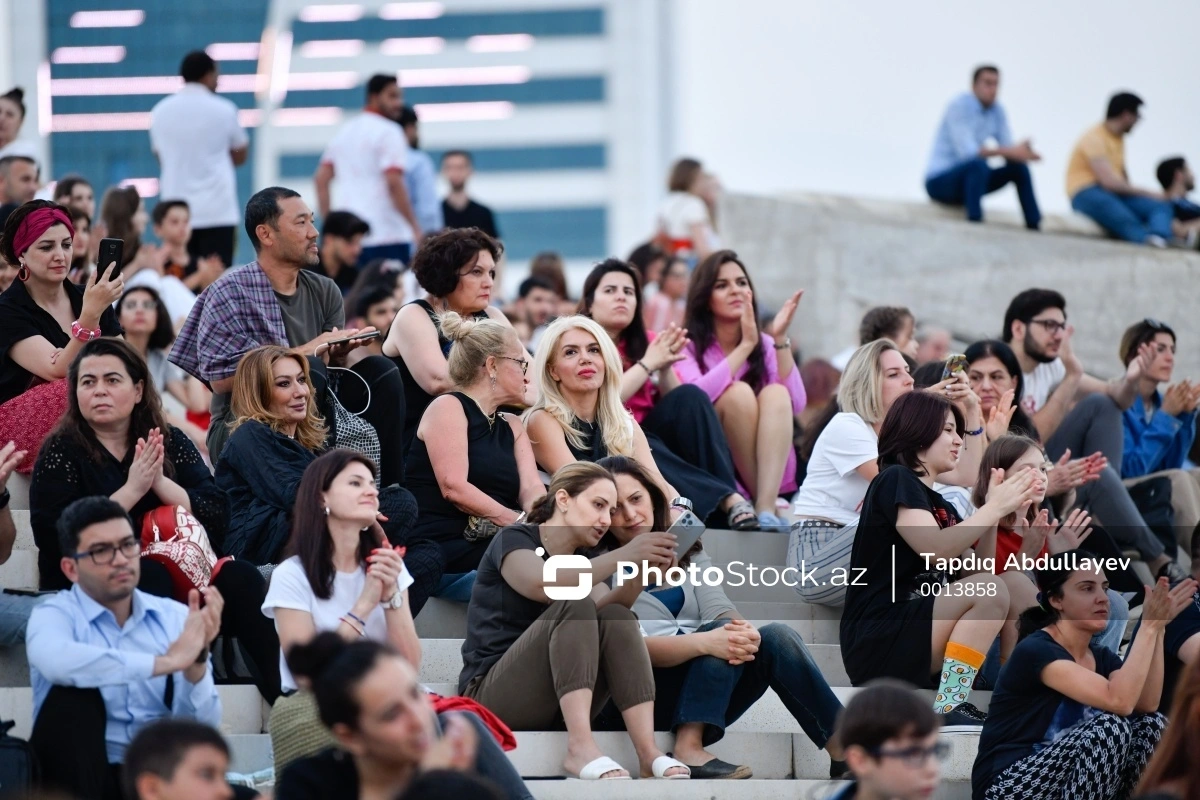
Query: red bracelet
[84, 334]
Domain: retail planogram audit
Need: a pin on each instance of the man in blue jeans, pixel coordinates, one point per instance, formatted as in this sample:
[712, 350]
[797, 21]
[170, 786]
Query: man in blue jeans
[1099, 186]
[973, 129]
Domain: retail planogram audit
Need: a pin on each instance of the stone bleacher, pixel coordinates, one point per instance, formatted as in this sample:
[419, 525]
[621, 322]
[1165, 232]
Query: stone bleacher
[766, 737]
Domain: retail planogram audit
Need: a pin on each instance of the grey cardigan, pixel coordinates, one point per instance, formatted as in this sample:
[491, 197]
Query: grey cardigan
[701, 604]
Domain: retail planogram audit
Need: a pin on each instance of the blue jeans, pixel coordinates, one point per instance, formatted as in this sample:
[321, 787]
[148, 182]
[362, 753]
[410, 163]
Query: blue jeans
[395, 252]
[712, 691]
[967, 183]
[456, 587]
[1124, 216]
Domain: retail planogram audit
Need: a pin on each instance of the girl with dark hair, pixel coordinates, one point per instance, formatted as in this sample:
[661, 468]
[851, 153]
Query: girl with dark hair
[677, 419]
[539, 662]
[384, 730]
[685, 223]
[750, 376]
[1068, 718]
[458, 270]
[148, 330]
[1174, 771]
[910, 612]
[710, 664]
[667, 308]
[114, 441]
[649, 260]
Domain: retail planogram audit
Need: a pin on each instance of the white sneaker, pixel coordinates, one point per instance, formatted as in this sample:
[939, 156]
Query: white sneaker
[1156, 241]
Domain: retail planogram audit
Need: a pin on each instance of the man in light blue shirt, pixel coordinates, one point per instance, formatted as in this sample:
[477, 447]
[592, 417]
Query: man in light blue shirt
[973, 129]
[421, 177]
[106, 659]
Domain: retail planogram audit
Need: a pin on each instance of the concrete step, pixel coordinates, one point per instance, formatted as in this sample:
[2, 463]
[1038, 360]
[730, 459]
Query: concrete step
[752, 789]
[18, 487]
[750, 547]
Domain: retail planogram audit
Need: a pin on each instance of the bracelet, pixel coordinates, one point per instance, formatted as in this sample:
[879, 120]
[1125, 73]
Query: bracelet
[643, 366]
[786, 344]
[84, 334]
[978, 431]
[520, 518]
[346, 619]
[356, 618]
[4, 498]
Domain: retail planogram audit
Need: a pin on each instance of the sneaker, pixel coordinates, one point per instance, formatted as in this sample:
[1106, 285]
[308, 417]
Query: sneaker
[1156, 241]
[769, 522]
[963, 718]
[1172, 572]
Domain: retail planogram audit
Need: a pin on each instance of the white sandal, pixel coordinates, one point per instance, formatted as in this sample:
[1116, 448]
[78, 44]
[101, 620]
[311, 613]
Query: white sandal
[664, 763]
[595, 769]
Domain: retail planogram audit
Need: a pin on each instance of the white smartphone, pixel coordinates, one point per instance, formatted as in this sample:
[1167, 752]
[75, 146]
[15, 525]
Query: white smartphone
[687, 529]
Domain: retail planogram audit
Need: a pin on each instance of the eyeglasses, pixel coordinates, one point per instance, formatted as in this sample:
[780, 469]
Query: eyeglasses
[524, 362]
[914, 756]
[1154, 324]
[1052, 326]
[105, 554]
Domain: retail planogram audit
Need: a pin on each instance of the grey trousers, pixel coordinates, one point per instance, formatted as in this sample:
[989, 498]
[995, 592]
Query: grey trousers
[1095, 425]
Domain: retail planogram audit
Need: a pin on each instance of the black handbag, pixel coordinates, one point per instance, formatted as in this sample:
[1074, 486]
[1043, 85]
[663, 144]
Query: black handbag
[18, 764]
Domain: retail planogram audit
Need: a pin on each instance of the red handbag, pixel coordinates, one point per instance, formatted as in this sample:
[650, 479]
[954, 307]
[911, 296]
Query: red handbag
[176, 539]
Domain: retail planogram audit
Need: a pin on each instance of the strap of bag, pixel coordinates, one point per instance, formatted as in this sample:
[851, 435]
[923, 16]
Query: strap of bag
[364, 382]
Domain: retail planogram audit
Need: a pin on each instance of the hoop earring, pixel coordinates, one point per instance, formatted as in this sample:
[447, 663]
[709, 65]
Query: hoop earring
[23, 273]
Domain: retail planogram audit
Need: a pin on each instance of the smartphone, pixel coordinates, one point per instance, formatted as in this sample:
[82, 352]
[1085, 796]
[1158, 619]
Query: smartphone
[687, 529]
[955, 362]
[111, 250]
[360, 337]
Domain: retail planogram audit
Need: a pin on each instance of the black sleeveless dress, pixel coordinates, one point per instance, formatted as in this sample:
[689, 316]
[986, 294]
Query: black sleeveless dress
[416, 399]
[491, 468]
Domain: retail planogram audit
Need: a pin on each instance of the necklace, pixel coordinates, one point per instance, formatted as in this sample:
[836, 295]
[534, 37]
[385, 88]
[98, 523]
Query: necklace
[491, 418]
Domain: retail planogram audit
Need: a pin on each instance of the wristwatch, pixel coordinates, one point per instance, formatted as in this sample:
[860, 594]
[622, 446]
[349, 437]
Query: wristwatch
[396, 602]
[682, 502]
[4, 498]
[786, 344]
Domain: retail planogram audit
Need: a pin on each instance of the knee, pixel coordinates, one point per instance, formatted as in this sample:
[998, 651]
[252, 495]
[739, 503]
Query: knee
[614, 613]
[689, 395]
[978, 167]
[738, 397]
[1101, 407]
[578, 610]
[774, 395]
[993, 593]
[778, 638]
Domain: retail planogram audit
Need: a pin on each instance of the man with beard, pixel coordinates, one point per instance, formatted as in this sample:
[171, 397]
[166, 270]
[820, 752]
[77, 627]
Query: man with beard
[1079, 414]
[1177, 180]
[458, 209]
[106, 659]
[278, 299]
[536, 309]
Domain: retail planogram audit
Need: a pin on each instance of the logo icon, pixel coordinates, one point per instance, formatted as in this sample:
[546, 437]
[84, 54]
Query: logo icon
[550, 575]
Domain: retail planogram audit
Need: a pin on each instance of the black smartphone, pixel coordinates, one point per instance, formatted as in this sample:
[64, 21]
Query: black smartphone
[111, 250]
[357, 338]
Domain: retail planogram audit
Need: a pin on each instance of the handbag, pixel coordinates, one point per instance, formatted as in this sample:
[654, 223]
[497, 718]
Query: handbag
[480, 528]
[176, 539]
[353, 432]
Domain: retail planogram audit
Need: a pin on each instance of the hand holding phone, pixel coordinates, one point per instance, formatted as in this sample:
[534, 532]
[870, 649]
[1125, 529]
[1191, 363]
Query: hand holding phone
[112, 251]
[955, 363]
[687, 530]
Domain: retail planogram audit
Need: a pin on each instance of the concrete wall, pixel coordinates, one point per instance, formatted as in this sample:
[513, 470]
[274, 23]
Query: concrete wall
[851, 254]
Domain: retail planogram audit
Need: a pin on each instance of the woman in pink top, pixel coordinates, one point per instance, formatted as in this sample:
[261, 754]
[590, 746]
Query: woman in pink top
[749, 374]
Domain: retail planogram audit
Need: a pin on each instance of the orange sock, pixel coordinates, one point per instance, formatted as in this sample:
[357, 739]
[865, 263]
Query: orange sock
[959, 668]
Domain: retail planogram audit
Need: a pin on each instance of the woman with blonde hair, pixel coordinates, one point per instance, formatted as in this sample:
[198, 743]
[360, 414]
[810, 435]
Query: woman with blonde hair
[579, 415]
[470, 467]
[844, 461]
[277, 432]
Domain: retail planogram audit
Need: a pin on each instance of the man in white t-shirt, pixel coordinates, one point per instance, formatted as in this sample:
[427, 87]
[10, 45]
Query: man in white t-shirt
[369, 157]
[1075, 413]
[199, 142]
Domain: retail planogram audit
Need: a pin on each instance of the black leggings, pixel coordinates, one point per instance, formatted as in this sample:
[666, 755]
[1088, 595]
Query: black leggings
[384, 406]
[243, 588]
[691, 451]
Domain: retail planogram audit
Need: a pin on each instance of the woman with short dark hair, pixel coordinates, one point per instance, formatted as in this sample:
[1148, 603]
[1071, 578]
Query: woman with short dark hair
[908, 614]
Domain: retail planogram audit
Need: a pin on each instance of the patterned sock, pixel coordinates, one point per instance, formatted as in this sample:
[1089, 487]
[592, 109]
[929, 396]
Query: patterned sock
[958, 674]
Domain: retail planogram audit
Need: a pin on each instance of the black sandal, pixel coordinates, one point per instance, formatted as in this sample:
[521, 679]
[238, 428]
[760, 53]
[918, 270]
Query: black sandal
[718, 770]
[743, 517]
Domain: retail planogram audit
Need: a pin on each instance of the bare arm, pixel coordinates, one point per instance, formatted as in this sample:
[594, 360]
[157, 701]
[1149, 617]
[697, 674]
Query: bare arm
[414, 338]
[641, 452]
[443, 428]
[238, 155]
[1109, 179]
[402, 632]
[531, 483]
[1123, 691]
[10, 457]
[548, 441]
[1050, 416]
[321, 181]
[671, 651]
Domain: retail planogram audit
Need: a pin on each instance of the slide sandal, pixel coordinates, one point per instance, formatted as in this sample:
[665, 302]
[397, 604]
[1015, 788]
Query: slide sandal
[596, 768]
[742, 517]
[664, 763]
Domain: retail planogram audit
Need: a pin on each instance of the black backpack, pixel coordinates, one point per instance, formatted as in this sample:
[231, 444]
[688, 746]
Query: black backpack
[19, 771]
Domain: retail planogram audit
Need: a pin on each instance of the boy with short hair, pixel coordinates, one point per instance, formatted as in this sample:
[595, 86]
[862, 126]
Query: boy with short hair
[173, 226]
[177, 760]
[890, 737]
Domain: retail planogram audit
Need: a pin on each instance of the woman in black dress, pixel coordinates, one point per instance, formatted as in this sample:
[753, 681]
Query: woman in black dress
[906, 616]
[458, 269]
[471, 468]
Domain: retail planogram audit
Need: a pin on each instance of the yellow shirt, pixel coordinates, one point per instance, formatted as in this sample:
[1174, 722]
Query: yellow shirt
[1097, 142]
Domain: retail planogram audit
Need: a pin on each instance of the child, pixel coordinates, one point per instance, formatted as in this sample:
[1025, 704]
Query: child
[178, 759]
[173, 227]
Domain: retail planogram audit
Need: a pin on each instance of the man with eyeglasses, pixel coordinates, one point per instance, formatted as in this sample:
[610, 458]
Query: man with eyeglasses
[890, 735]
[1079, 414]
[106, 659]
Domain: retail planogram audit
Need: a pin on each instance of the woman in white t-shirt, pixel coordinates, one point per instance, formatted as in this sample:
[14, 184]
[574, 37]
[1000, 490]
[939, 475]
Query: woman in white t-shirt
[684, 223]
[843, 463]
[343, 576]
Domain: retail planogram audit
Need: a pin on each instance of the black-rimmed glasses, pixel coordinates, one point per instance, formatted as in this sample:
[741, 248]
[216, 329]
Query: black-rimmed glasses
[105, 554]
[914, 756]
[1052, 326]
[524, 362]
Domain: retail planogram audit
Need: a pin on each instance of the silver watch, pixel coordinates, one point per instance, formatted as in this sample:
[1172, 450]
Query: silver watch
[682, 502]
[396, 602]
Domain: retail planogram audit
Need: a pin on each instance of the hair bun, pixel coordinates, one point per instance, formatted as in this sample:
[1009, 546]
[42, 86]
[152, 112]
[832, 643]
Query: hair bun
[456, 327]
[311, 659]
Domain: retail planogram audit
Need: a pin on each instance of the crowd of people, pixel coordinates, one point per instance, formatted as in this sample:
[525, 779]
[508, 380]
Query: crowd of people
[285, 460]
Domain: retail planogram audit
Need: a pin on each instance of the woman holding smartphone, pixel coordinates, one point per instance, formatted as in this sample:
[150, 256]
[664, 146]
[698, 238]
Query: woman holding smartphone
[711, 665]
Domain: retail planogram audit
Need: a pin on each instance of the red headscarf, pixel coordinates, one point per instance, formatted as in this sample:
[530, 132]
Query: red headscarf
[37, 223]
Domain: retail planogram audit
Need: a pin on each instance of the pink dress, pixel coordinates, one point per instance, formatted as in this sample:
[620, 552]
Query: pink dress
[718, 378]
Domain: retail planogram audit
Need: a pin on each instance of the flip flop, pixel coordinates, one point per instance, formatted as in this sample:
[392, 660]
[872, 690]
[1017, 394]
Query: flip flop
[595, 769]
[742, 517]
[661, 764]
[716, 770]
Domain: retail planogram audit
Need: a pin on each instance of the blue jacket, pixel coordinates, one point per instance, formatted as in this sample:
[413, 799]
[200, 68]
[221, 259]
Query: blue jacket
[1162, 443]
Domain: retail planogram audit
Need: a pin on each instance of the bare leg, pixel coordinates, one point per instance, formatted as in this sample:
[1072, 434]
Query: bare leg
[1022, 594]
[689, 744]
[581, 745]
[774, 439]
[738, 411]
[971, 621]
[639, 721]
